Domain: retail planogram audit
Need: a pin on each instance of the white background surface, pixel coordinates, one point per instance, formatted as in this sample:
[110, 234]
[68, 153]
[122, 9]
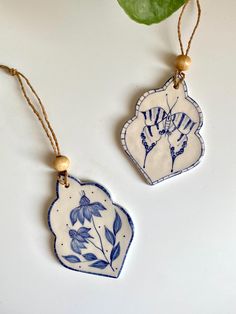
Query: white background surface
[90, 62]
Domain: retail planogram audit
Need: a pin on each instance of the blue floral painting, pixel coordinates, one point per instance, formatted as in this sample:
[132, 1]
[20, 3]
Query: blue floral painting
[97, 232]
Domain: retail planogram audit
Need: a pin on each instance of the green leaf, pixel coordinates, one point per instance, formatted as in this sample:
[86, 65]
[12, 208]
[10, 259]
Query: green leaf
[150, 11]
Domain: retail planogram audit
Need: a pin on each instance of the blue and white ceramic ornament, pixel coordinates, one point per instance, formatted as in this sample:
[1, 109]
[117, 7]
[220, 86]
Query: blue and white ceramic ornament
[92, 233]
[163, 138]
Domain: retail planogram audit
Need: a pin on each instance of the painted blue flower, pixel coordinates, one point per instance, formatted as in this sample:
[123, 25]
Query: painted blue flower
[86, 210]
[79, 238]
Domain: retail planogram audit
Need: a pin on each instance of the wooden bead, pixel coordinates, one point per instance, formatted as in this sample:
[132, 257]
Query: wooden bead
[183, 62]
[61, 163]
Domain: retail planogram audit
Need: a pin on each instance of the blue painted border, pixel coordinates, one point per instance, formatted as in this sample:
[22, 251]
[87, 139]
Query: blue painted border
[127, 124]
[121, 208]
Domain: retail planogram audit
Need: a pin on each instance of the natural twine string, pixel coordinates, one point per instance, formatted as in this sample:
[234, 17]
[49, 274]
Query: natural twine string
[41, 114]
[42, 117]
[199, 11]
[180, 76]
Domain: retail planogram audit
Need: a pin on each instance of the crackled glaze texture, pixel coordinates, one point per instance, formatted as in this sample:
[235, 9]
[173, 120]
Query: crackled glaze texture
[163, 138]
[92, 234]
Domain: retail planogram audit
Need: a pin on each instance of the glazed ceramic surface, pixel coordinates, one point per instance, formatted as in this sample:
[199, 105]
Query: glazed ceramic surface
[92, 234]
[163, 138]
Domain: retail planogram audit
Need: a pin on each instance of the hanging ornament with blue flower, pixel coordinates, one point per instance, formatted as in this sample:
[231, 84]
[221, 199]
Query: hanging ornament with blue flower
[92, 233]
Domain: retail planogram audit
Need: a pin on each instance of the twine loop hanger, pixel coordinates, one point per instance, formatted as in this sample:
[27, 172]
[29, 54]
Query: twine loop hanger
[41, 115]
[179, 74]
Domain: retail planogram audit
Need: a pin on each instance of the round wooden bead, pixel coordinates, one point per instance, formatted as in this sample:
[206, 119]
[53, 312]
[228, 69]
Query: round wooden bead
[61, 163]
[183, 62]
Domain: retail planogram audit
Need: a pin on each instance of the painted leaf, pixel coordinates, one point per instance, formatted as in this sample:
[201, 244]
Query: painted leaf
[84, 200]
[115, 252]
[80, 215]
[83, 229]
[97, 206]
[72, 259]
[76, 246]
[75, 235]
[73, 215]
[117, 224]
[84, 232]
[95, 210]
[150, 11]
[90, 257]
[86, 235]
[99, 264]
[110, 236]
[81, 239]
[87, 213]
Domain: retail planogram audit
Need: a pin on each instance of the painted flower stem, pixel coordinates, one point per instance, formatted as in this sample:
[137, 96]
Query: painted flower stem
[100, 248]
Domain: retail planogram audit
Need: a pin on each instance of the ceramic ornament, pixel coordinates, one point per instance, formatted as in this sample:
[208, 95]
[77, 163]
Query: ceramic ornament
[92, 233]
[163, 138]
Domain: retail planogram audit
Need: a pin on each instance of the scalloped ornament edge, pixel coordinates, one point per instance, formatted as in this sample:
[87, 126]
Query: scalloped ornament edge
[197, 132]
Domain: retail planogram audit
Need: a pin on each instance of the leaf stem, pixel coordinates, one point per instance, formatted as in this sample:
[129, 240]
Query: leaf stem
[100, 240]
[97, 247]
